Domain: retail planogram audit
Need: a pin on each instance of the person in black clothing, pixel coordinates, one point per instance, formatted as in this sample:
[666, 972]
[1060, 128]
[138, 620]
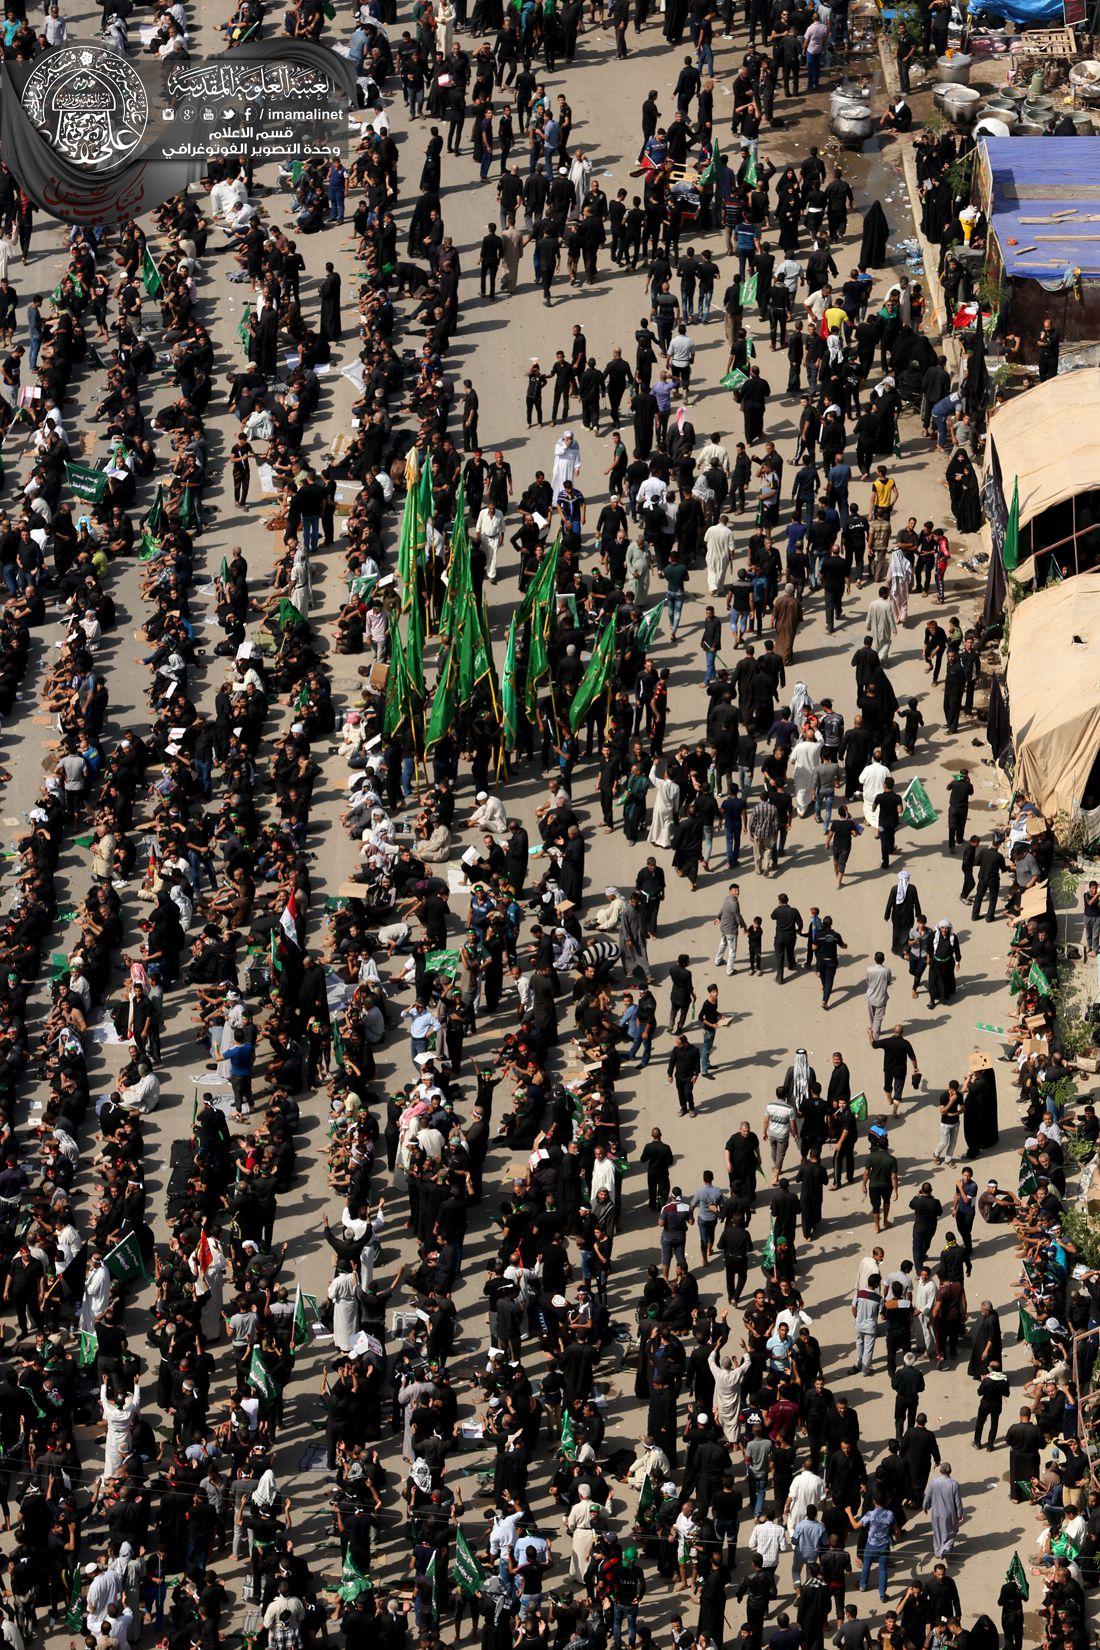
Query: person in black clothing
[683, 1071]
[492, 251]
[890, 808]
[959, 791]
[788, 925]
[988, 863]
[657, 1158]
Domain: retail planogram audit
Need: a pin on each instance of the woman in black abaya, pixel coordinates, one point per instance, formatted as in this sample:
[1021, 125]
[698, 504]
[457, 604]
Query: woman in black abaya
[980, 1110]
[962, 485]
[876, 237]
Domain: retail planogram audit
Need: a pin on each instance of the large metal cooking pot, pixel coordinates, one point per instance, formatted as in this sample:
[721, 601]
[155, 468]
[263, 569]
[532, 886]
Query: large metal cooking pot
[960, 104]
[853, 124]
[991, 126]
[953, 70]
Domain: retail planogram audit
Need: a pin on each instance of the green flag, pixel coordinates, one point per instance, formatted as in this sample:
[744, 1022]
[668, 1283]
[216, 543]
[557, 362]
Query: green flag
[154, 521]
[466, 1572]
[124, 1260]
[259, 1376]
[544, 582]
[649, 626]
[648, 1503]
[187, 515]
[354, 1582]
[748, 292]
[734, 380]
[425, 500]
[1010, 549]
[1038, 979]
[273, 952]
[460, 585]
[442, 962]
[750, 173]
[710, 170]
[74, 1615]
[414, 642]
[1030, 1330]
[568, 1439]
[150, 547]
[598, 673]
[918, 810]
[858, 1106]
[1016, 982]
[223, 570]
[397, 685]
[538, 658]
[406, 548]
[242, 329]
[508, 703]
[89, 485]
[306, 1315]
[1018, 1574]
[288, 613]
[88, 1349]
[444, 703]
[150, 274]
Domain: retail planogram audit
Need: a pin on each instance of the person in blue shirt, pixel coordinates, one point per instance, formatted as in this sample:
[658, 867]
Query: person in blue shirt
[733, 815]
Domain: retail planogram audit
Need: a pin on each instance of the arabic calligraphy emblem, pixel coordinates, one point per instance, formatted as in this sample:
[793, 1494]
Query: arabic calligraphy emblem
[89, 105]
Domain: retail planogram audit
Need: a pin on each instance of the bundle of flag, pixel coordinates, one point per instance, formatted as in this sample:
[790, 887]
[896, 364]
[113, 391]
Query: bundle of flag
[124, 1260]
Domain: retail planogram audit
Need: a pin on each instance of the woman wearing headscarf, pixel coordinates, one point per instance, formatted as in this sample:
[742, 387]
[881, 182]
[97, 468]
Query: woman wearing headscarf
[945, 958]
[962, 486]
[980, 1109]
[902, 910]
[876, 238]
[582, 1525]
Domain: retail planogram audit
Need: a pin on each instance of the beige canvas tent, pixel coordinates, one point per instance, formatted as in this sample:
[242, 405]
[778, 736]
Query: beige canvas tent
[1054, 692]
[1046, 440]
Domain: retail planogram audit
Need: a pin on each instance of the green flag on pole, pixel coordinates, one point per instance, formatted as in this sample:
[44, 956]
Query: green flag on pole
[1030, 1330]
[748, 292]
[124, 1260]
[259, 1376]
[444, 702]
[1010, 549]
[397, 685]
[306, 1315]
[648, 1503]
[544, 582]
[1038, 979]
[89, 485]
[918, 810]
[508, 704]
[288, 613]
[750, 175]
[88, 1349]
[74, 1615]
[406, 547]
[649, 626]
[444, 963]
[1018, 1574]
[414, 643]
[154, 521]
[1016, 982]
[187, 513]
[466, 1572]
[150, 274]
[273, 952]
[538, 658]
[460, 585]
[597, 674]
[710, 170]
[568, 1438]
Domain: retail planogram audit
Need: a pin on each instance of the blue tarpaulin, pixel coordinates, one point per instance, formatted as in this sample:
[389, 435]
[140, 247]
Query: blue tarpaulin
[1021, 11]
[1043, 177]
